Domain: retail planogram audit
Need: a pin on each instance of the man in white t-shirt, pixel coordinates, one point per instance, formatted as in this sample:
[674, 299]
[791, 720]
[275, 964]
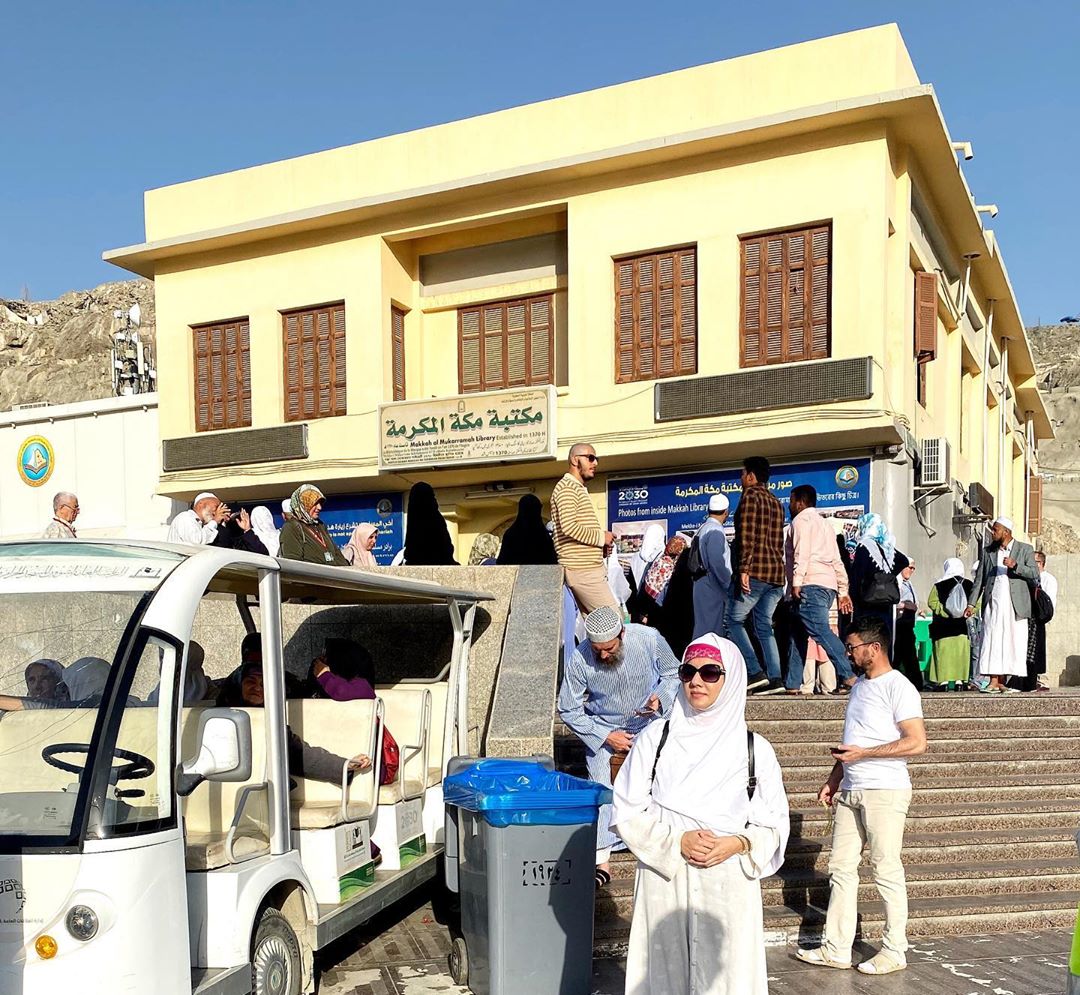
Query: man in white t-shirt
[871, 790]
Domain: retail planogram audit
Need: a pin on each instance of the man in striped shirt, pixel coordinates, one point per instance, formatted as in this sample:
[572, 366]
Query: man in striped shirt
[580, 542]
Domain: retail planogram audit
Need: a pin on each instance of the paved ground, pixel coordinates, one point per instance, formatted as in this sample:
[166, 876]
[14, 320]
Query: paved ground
[404, 952]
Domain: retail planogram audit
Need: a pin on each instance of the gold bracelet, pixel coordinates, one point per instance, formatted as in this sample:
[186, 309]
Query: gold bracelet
[745, 841]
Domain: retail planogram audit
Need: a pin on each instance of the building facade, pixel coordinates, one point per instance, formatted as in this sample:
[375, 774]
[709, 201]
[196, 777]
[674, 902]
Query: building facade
[776, 254]
[103, 451]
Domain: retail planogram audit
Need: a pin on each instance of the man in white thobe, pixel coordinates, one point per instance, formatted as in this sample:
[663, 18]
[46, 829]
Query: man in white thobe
[712, 589]
[1006, 570]
[199, 526]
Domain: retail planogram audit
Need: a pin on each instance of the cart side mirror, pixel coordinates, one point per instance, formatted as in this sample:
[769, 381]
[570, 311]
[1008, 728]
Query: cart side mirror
[224, 750]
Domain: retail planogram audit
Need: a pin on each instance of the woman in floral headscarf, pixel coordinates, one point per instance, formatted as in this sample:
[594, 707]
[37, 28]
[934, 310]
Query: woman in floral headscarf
[876, 567]
[304, 537]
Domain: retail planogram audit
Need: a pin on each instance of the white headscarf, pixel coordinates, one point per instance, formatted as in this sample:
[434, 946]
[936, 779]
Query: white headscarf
[953, 567]
[616, 579]
[262, 521]
[878, 541]
[652, 545]
[703, 769]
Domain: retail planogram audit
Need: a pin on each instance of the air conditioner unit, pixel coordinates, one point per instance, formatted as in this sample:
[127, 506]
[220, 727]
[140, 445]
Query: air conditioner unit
[934, 465]
[980, 499]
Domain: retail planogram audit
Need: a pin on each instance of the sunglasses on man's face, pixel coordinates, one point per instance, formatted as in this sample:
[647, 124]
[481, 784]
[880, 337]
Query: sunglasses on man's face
[591, 457]
[710, 673]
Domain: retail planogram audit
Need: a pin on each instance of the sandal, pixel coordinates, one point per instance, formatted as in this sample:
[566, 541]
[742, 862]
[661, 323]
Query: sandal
[818, 958]
[603, 878]
[883, 962]
[991, 690]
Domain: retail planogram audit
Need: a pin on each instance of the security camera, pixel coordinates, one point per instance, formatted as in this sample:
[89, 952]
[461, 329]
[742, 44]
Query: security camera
[965, 148]
[991, 209]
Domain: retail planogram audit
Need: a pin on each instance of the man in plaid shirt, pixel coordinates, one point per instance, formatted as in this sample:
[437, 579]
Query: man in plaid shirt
[757, 558]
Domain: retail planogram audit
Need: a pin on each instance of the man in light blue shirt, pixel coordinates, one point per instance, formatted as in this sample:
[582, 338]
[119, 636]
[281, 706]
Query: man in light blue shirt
[616, 682]
[712, 589]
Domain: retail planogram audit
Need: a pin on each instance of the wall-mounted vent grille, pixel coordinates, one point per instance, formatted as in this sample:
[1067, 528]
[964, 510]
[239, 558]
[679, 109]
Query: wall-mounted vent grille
[934, 469]
[785, 386]
[214, 449]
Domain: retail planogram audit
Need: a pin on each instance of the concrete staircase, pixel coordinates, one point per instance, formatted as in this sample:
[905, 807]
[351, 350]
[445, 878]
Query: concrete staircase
[990, 841]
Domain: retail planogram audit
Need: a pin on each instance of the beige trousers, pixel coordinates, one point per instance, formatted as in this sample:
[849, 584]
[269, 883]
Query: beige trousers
[875, 816]
[589, 587]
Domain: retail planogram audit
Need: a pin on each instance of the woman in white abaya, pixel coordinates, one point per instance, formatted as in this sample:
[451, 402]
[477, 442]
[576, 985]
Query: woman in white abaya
[702, 844]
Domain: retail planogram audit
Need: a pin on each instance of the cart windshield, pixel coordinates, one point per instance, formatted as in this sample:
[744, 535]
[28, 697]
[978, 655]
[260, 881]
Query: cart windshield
[69, 616]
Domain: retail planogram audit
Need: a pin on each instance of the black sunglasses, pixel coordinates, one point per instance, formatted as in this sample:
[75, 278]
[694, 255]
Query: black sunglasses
[591, 457]
[710, 673]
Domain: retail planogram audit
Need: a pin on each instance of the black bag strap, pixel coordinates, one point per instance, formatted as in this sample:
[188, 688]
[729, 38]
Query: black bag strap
[751, 770]
[751, 780]
[659, 748]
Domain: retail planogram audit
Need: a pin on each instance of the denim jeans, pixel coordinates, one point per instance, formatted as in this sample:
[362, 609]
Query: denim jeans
[761, 602]
[812, 620]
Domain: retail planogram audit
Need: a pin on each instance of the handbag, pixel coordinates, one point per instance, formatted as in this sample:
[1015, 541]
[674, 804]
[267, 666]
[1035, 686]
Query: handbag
[391, 758]
[1042, 608]
[616, 762]
[881, 588]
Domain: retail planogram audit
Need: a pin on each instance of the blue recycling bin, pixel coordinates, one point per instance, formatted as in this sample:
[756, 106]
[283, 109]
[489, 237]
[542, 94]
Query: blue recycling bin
[521, 853]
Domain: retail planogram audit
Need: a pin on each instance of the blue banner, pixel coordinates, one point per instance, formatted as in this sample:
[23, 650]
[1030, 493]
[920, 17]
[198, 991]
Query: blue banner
[343, 512]
[679, 502]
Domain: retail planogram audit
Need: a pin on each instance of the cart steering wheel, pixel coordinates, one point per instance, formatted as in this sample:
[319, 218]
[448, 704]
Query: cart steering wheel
[136, 768]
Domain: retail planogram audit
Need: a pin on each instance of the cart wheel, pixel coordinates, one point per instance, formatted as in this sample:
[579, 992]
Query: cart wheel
[275, 956]
[459, 961]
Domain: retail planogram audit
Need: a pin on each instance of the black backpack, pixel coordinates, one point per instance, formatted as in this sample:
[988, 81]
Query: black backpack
[694, 563]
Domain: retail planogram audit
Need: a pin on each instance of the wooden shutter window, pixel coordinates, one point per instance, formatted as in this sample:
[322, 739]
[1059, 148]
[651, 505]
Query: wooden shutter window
[397, 348]
[926, 291]
[785, 298]
[222, 375]
[656, 315]
[314, 349]
[1034, 504]
[506, 344]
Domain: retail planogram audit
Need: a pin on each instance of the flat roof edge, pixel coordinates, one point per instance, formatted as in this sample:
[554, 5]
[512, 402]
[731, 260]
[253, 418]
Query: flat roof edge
[135, 257]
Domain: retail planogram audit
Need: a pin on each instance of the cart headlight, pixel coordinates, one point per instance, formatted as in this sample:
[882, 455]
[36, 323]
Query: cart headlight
[82, 922]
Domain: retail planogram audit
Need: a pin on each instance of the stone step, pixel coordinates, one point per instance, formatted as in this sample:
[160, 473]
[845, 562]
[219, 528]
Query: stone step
[927, 917]
[812, 822]
[1045, 845]
[1064, 701]
[970, 766]
[799, 888]
[1010, 727]
[952, 791]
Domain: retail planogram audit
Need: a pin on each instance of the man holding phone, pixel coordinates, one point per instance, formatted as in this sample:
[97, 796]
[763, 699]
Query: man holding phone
[871, 790]
[615, 683]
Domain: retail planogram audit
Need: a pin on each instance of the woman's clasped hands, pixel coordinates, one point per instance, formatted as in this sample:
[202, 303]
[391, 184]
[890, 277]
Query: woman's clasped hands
[701, 848]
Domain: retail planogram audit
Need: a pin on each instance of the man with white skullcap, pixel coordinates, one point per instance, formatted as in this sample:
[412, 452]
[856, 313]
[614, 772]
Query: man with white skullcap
[1003, 580]
[711, 570]
[613, 685]
[199, 525]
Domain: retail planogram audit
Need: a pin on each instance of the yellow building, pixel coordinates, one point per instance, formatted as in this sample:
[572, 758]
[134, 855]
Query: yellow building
[776, 254]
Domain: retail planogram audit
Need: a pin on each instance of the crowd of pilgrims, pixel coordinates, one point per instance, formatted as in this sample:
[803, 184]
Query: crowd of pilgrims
[656, 585]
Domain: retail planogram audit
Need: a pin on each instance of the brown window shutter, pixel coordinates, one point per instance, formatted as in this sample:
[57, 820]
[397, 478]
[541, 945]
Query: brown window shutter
[222, 378]
[397, 350]
[785, 296]
[926, 285]
[506, 344]
[656, 315]
[314, 362]
[1034, 504]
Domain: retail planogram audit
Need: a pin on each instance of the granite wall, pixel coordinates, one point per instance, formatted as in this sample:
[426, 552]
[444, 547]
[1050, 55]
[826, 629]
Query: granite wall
[1063, 631]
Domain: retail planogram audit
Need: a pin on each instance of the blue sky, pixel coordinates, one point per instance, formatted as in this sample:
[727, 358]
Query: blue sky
[103, 100]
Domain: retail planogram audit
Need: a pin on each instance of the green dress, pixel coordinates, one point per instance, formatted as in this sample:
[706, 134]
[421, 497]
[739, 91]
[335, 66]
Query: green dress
[951, 660]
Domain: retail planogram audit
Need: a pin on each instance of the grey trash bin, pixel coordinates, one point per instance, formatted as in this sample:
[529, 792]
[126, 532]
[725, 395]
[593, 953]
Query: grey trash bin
[521, 853]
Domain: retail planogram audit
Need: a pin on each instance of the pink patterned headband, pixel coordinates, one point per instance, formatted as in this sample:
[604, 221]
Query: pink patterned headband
[697, 651]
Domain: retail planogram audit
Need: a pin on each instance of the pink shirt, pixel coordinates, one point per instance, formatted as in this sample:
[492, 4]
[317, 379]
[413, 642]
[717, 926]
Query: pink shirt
[813, 556]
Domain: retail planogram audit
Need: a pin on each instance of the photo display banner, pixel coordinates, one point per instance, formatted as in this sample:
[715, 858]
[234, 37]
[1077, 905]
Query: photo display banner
[679, 502]
[498, 426]
[342, 513]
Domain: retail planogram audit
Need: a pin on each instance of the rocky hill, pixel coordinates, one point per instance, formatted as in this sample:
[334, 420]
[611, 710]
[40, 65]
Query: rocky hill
[1057, 356]
[59, 351]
